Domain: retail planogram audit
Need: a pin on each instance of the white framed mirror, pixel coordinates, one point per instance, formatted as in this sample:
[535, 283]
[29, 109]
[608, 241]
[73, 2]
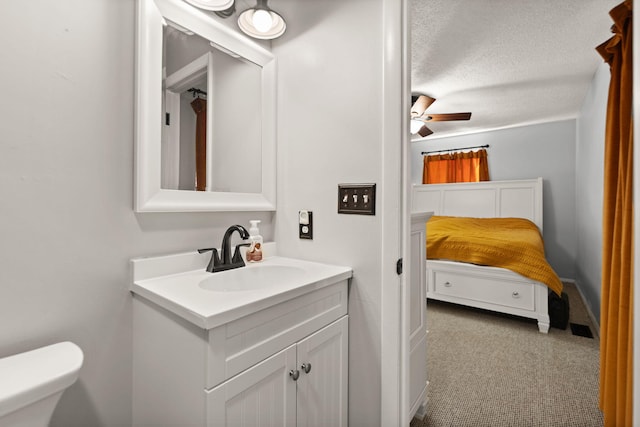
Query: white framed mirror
[205, 114]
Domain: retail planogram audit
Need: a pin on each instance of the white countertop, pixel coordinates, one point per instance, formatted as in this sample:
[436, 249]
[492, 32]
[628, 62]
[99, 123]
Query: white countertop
[160, 281]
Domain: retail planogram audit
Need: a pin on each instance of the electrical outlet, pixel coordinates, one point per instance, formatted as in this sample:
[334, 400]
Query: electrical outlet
[359, 199]
[305, 225]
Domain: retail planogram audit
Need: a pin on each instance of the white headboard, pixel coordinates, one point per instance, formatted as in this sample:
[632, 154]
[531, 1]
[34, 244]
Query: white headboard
[488, 199]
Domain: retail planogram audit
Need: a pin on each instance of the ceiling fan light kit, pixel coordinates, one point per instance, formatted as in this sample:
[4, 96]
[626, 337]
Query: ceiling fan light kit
[420, 128]
[414, 126]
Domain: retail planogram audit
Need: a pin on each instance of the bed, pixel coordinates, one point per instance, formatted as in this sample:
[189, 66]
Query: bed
[486, 287]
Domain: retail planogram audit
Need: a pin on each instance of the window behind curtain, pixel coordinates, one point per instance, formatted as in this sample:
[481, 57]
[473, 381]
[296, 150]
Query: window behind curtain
[471, 166]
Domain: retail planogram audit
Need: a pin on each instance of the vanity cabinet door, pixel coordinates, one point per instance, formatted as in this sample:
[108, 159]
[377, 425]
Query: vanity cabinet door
[264, 395]
[322, 385]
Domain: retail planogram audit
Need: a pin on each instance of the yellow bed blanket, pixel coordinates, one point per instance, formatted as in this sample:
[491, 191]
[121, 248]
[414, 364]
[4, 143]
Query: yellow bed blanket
[511, 243]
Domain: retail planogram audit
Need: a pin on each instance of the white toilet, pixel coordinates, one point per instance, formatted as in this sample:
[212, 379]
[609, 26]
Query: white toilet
[31, 383]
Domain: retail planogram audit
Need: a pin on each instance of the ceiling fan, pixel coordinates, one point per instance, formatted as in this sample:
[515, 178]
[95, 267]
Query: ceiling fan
[419, 105]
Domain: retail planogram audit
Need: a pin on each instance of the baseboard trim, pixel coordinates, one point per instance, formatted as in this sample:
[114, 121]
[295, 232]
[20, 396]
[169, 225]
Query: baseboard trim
[588, 307]
[421, 413]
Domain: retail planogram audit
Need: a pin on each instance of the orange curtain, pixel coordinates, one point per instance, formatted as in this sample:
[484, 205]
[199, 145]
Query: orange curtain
[616, 330]
[199, 105]
[456, 167]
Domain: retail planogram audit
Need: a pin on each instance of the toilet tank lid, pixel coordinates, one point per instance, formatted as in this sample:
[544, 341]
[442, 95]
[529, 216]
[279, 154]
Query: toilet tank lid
[33, 375]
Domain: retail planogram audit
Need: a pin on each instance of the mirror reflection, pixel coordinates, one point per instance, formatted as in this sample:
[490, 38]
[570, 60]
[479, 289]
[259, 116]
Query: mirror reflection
[211, 115]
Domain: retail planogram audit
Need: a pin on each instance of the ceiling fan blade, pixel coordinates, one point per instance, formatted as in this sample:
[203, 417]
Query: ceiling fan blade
[424, 131]
[447, 117]
[421, 103]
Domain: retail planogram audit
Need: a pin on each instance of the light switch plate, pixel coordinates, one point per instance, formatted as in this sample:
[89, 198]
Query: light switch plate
[358, 199]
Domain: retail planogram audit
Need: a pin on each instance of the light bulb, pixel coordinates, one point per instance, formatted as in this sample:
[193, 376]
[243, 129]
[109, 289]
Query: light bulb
[415, 126]
[262, 20]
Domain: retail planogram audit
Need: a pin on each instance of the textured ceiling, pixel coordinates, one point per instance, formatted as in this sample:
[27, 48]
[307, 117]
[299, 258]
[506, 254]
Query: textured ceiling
[509, 62]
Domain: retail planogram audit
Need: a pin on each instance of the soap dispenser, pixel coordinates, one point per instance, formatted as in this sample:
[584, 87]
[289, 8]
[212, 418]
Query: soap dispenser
[254, 253]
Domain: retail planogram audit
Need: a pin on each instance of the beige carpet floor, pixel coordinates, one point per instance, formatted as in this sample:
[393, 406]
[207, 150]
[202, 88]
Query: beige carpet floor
[488, 369]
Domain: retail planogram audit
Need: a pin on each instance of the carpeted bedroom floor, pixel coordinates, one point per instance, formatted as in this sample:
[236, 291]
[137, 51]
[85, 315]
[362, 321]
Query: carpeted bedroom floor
[488, 369]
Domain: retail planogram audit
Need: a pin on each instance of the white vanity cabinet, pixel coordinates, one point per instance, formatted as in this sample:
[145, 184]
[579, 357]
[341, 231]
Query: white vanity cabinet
[302, 385]
[248, 371]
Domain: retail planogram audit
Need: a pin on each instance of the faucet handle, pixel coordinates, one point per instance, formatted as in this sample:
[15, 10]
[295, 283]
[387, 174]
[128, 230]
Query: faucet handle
[215, 258]
[213, 255]
[237, 257]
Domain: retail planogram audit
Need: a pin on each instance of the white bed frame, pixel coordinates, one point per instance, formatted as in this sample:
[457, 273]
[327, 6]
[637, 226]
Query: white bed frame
[489, 288]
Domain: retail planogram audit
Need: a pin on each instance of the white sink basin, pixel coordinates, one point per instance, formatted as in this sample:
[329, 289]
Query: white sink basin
[180, 284]
[250, 278]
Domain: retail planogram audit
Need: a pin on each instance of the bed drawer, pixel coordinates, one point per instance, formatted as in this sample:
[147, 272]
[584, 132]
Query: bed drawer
[489, 290]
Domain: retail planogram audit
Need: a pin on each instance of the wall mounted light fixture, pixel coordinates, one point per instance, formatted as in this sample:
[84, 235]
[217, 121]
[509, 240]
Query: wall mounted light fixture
[261, 22]
[214, 5]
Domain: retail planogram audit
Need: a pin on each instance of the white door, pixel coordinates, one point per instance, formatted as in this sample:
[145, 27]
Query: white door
[322, 385]
[417, 319]
[396, 92]
[262, 396]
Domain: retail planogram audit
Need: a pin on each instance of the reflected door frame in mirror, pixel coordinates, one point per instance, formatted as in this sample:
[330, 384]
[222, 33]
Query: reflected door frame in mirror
[149, 194]
[175, 84]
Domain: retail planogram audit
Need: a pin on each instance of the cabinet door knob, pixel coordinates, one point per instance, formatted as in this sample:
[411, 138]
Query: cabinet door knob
[306, 367]
[448, 284]
[515, 294]
[294, 374]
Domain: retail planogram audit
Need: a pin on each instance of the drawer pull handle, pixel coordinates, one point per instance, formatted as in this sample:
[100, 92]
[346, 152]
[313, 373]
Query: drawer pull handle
[448, 284]
[516, 294]
[306, 367]
[294, 374]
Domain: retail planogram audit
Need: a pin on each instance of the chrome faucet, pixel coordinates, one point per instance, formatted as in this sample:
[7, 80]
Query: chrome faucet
[225, 261]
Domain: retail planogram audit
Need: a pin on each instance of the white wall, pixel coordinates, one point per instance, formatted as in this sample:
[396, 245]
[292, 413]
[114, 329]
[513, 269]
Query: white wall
[589, 188]
[330, 132]
[67, 228]
[546, 150]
